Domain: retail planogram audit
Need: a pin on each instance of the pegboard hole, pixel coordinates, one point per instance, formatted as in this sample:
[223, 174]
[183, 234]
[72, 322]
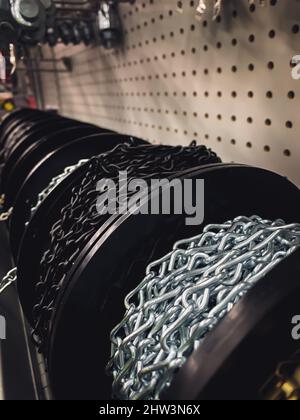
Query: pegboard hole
[268, 122]
[272, 34]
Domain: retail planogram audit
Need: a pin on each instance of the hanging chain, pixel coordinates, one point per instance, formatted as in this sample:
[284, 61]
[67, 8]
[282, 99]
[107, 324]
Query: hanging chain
[79, 219]
[9, 279]
[185, 295]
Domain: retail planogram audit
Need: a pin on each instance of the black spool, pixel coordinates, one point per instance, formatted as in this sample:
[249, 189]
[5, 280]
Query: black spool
[90, 305]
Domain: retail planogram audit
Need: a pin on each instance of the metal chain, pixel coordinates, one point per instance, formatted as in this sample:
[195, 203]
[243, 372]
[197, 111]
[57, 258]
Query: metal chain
[6, 215]
[217, 7]
[55, 182]
[185, 295]
[14, 138]
[10, 278]
[79, 219]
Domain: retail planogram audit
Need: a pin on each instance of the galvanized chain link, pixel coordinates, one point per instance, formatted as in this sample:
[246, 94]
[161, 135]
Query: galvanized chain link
[79, 219]
[6, 215]
[55, 182]
[185, 295]
[9, 279]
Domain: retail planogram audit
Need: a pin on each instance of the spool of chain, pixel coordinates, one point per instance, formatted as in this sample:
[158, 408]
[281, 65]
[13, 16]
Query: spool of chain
[78, 226]
[19, 129]
[37, 179]
[114, 260]
[185, 294]
[87, 32]
[68, 245]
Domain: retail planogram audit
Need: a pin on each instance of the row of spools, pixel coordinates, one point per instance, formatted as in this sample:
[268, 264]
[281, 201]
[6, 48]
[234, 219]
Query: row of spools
[139, 304]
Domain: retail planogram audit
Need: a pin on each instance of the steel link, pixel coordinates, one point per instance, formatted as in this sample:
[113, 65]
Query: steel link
[186, 294]
[9, 279]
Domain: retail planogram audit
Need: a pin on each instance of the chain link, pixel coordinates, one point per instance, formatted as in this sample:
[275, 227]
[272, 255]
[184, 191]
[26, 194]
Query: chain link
[185, 295]
[55, 182]
[10, 278]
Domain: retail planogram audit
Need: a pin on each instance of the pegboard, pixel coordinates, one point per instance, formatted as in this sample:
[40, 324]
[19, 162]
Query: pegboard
[226, 83]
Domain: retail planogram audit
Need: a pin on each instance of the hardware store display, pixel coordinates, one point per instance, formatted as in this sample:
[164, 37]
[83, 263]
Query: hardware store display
[149, 201]
[63, 249]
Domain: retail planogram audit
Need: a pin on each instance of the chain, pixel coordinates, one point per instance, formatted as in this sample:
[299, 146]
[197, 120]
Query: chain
[185, 294]
[79, 219]
[6, 215]
[55, 182]
[10, 278]
[284, 385]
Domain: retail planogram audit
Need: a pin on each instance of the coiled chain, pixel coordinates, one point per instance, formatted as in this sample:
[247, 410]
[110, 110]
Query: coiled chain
[55, 182]
[185, 294]
[79, 219]
[218, 7]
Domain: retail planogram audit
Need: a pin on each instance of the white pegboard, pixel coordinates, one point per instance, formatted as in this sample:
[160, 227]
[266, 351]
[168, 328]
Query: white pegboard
[226, 83]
